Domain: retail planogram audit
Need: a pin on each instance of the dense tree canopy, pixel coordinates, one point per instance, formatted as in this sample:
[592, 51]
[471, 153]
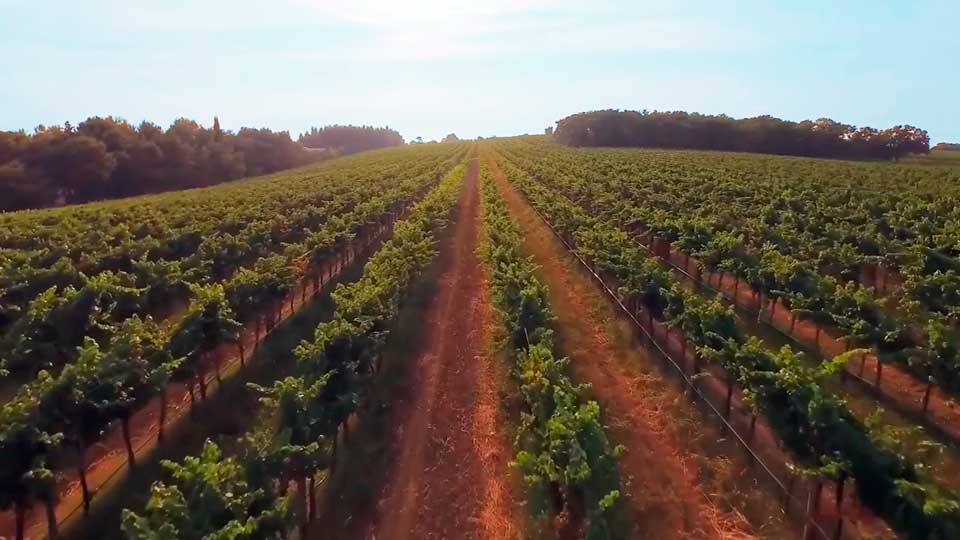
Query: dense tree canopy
[762, 134]
[104, 158]
[349, 139]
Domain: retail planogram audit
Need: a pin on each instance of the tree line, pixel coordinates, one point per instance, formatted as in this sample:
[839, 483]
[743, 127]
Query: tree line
[350, 139]
[106, 158]
[763, 134]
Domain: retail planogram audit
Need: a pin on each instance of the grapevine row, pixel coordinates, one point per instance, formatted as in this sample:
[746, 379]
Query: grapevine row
[211, 496]
[815, 425]
[839, 216]
[563, 451]
[925, 343]
[51, 421]
[57, 294]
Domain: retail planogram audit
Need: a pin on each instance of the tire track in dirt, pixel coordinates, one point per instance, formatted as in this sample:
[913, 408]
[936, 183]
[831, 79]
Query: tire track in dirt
[450, 476]
[664, 495]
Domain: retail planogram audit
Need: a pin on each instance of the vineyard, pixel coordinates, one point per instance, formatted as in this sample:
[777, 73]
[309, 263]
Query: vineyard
[499, 339]
[114, 310]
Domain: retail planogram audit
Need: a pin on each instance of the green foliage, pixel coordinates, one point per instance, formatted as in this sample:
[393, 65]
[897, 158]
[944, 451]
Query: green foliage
[57, 320]
[210, 497]
[798, 230]
[815, 424]
[25, 473]
[123, 358]
[561, 443]
[207, 498]
[209, 322]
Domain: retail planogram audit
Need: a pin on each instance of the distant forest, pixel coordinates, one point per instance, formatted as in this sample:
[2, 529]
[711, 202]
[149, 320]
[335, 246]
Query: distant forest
[947, 146]
[107, 158]
[763, 134]
[350, 139]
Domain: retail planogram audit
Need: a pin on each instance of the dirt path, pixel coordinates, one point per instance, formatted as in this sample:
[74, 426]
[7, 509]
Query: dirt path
[107, 461]
[449, 478]
[665, 493]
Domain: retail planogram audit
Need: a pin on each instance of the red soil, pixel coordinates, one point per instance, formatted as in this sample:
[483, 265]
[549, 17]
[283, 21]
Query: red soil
[663, 492]
[107, 460]
[452, 455]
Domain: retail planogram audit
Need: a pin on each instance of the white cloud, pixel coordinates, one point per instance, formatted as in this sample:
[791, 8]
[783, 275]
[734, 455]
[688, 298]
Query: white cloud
[402, 14]
[411, 30]
[437, 29]
[426, 29]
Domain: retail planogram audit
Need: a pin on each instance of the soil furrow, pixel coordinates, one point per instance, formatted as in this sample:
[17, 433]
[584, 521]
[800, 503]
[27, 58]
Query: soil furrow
[452, 453]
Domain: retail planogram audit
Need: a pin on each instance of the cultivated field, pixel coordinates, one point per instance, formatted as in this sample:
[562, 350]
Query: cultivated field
[499, 339]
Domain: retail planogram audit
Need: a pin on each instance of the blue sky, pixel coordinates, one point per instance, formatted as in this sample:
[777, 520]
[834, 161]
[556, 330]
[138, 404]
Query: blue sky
[495, 67]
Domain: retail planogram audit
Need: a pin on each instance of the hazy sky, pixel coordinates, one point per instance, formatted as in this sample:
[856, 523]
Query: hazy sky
[490, 67]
